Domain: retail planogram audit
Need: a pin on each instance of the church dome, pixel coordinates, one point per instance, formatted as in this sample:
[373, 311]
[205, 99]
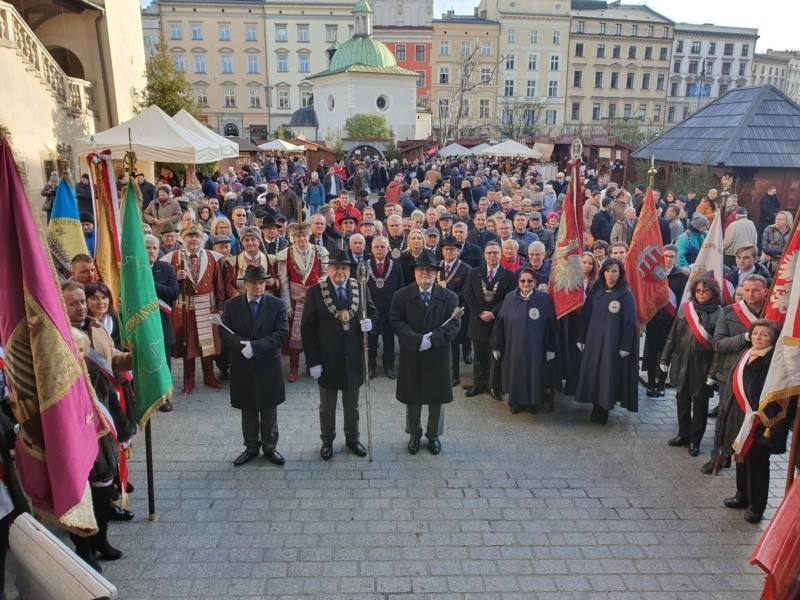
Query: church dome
[362, 51]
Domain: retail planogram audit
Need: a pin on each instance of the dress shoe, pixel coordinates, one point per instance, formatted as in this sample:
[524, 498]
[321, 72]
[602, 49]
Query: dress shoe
[371, 373]
[515, 409]
[129, 488]
[275, 457]
[292, 376]
[166, 407]
[694, 450]
[223, 374]
[752, 517]
[357, 448]
[106, 550]
[248, 454]
[413, 446]
[497, 394]
[475, 390]
[708, 468]
[468, 359]
[678, 441]
[456, 382]
[435, 446]
[212, 382]
[735, 502]
[712, 414]
[119, 514]
[652, 392]
[660, 391]
[391, 374]
[326, 452]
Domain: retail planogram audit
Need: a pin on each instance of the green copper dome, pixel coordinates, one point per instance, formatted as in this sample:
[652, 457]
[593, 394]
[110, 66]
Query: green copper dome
[362, 51]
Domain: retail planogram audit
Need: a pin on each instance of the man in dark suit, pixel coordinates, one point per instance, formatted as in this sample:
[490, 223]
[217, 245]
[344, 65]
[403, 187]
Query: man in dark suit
[467, 253]
[453, 276]
[484, 292]
[332, 330]
[480, 235]
[385, 278]
[418, 314]
[256, 328]
[271, 242]
[379, 206]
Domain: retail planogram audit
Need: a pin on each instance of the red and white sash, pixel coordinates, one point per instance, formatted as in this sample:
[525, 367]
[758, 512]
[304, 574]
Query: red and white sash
[700, 333]
[744, 314]
[728, 292]
[744, 439]
[164, 307]
[672, 304]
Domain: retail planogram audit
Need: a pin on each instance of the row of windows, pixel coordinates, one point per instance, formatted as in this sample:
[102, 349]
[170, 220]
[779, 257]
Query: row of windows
[697, 48]
[254, 96]
[225, 63]
[419, 52]
[510, 62]
[507, 114]
[630, 80]
[633, 31]
[707, 66]
[675, 89]
[616, 51]
[627, 112]
[223, 31]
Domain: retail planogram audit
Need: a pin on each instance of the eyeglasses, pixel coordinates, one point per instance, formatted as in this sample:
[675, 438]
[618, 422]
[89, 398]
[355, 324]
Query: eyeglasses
[528, 281]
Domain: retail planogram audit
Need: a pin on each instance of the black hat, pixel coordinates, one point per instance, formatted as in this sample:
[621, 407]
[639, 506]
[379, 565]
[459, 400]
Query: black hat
[363, 194]
[280, 218]
[86, 217]
[260, 214]
[269, 221]
[340, 257]
[254, 273]
[445, 216]
[427, 259]
[347, 217]
[169, 228]
[450, 241]
[220, 239]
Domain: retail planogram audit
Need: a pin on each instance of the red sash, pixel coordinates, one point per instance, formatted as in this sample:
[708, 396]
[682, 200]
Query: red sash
[728, 291]
[700, 333]
[672, 304]
[744, 314]
[741, 445]
[164, 307]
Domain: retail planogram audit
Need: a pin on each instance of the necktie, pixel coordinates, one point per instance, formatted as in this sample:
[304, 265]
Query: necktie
[489, 277]
[194, 266]
[379, 267]
[253, 308]
[426, 298]
[342, 295]
[447, 271]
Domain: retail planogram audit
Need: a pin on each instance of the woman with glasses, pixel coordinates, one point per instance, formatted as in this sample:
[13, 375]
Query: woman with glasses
[524, 340]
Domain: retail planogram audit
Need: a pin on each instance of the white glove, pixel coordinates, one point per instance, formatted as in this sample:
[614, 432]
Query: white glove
[580, 346]
[663, 367]
[316, 371]
[550, 355]
[247, 349]
[496, 354]
[624, 354]
[426, 342]
[710, 382]
[366, 325]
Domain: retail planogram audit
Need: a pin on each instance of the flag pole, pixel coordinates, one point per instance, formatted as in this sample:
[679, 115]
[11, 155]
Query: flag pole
[151, 491]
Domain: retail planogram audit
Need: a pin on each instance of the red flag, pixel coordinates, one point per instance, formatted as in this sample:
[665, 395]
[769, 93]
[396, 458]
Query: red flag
[778, 301]
[566, 276]
[644, 267]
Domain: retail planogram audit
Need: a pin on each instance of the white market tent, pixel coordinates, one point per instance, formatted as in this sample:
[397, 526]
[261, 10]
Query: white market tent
[228, 147]
[154, 136]
[454, 150]
[281, 146]
[479, 148]
[511, 148]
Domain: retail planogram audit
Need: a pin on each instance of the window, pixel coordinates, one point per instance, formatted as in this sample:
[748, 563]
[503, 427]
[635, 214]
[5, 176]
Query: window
[657, 112]
[229, 97]
[512, 36]
[577, 79]
[660, 82]
[421, 79]
[180, 62]
[693, 67]
[601, 50]
[581, 28]
[530, 87]
[302, 33]
[554, 60]
[626, 111]
[685, 112]
[618, 29]
[645, 81]
[632, 52]
[601, 28]
[331, 33]
[419, 53]
[576, 111]
[728, 50]
[508, 88]
[596, 111]
[614, 81]
[532, 62]
[227, 63]
[305, 98]
[708, 65]
[466, 48]
[400, 51]
[616, 51]
[202, 97]
[673, 89]
[250, 34]
[649, 31]
[444, 75]
[742, 69]
[528, 117]
[483, 108]
[552, 89]
[679, 46]
[665, 32]
[444, 108]
[255, 98]
[464, 107]
[304, 62]
[199, 63]
[712, 48]
[723, 89]
[197, 31]
[252, 64]
[676, 66]
[550, 117]
[662, 54]
[642, 112]
[671, 114]
[598, 79]
[726, 68]
[511, 60]
[695, 48]
[648, 53]
[283, 99]
[486, 75]
[535, 37]
[745, 50]
[281, 33]
[444, 48]
[175, 32]
[507, 116]
[578, 49]
[634, 30]
[224, 32]
[486, 49]
[629, 81]
[556, 38]
[283, 62]
[612, 111]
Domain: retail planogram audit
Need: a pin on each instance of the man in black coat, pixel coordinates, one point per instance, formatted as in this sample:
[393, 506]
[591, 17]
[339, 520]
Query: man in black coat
[603, 222]
[484, 292]
[453, 276]
[256, 328]
[385, 278]
[769, 205]
[480, 235]
[332, 330]
[467, 253]
[418, 314]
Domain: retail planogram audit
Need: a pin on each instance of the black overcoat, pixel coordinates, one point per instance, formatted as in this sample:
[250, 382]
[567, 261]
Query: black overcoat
[382, 297]
[256, 383]
[477, 330]
[658, 328]
[424, 377]
[326, 343]
[168, 290]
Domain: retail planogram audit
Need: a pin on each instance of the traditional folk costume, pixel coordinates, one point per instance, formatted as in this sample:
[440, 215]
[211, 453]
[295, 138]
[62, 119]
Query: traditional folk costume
[237, 265]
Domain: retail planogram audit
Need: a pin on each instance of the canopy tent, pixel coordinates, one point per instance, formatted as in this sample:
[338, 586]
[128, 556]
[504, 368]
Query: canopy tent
[480, 147]
[281, 146]
[511, 148]
[154, 136]
[228, 147]
[454, 150]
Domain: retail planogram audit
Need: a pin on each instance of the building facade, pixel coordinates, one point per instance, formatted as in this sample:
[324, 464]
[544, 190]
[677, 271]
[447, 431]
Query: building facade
[707, 61]
[779, 68]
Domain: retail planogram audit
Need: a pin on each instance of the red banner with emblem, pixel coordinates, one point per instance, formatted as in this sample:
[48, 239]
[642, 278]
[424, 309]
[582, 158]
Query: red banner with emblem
[566, 276]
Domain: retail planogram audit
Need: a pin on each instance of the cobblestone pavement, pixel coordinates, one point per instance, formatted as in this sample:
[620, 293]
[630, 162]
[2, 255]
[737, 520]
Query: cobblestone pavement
[516, 507]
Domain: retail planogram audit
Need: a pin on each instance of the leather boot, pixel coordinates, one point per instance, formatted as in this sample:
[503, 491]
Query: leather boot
[99, 544]
[188, 375]
[208, 373]
[83, 548]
